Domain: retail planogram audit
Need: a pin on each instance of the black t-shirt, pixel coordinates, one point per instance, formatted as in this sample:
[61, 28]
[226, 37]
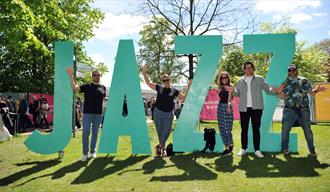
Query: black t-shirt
[94, 95]
[165, 98]
[223, 96]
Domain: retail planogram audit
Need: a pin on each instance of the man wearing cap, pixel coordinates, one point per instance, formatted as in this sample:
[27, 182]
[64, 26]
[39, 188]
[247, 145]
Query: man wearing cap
[296, 107]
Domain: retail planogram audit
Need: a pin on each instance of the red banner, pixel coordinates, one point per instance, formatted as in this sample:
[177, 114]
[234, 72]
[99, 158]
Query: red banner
[210, 107]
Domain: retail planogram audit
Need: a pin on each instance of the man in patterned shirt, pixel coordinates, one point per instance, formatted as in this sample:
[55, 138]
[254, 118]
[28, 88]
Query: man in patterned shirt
[296, 107]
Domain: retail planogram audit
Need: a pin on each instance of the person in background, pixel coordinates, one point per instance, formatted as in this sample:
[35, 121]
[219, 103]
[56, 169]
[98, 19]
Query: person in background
[5, 115]
[23, 109]
[77, 114]
[11, 104]
[177, 109]
[4, 133]
[43, 112]
[153, 102]
[34, 110]
[125, 110]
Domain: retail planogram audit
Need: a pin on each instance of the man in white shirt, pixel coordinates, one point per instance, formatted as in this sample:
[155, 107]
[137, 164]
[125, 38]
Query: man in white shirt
[249, 90]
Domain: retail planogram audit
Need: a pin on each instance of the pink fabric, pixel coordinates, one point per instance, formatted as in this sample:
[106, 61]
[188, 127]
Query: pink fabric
[50, 100]
[210, 107]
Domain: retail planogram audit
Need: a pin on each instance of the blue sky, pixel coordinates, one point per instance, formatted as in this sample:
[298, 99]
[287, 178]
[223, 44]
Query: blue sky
[310, 17]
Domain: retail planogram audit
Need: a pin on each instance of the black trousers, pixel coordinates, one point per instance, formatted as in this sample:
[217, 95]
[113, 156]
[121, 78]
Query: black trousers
[255, 116]
[22, 122]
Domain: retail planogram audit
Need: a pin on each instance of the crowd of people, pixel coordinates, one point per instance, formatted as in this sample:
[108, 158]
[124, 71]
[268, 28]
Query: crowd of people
[294, 91]
[168, 103]
[19, 115]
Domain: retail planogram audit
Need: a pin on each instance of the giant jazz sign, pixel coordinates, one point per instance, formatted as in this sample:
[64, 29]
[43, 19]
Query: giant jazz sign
[125, 81]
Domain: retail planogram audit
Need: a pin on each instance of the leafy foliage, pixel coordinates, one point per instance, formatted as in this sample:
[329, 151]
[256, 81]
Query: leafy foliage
[28, 32]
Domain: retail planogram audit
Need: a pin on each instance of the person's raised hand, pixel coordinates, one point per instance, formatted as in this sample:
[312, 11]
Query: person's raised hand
[69, 70]
[320, 89]
[145, 69]
[229, 88]
[190, 82]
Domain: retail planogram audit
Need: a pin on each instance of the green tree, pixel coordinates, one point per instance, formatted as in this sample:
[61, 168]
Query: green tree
[311, 61]
[28, 32]
[234, 58]
[325, 46]
[227, 17]
[157, 50]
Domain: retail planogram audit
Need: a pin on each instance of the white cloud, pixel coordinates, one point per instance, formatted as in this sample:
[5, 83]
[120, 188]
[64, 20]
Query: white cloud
[278, 17]
[319, 14]
[115, 26]
[329, 33]
[300, 17]
[97, 58]
[285, 5]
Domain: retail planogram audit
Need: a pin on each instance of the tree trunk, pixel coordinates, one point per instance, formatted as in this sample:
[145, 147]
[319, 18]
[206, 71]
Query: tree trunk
[191, 66]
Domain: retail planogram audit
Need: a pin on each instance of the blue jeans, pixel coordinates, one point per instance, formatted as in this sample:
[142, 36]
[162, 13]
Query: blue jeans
[94, 121]
[289, 117]
[163, 122]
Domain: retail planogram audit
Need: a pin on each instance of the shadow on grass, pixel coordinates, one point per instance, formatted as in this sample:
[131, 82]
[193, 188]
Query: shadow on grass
[151, 166]
[192, 169]
[272, 166]
[97, 169]
[61, 172]
[225, 164]
[38, 166]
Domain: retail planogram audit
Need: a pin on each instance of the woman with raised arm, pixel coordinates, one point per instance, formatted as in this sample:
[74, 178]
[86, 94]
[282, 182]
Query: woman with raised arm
[163, 111]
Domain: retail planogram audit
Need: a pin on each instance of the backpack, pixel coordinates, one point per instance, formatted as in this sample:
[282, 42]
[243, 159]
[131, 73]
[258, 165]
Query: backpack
[169, 150]
[209, 138]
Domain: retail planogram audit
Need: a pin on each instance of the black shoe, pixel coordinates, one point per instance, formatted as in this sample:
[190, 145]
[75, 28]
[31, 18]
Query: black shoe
[231, 148]
[226, 152]
[312, 153]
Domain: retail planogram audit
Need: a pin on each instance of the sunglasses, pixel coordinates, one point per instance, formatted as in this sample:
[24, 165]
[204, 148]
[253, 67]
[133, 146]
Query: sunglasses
[165, 80]
[96, 75]
[291, 70]
[224, 77]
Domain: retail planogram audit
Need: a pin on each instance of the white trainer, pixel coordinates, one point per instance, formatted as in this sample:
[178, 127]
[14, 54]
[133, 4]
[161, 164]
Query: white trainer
[241, 152]
[259, 154]
[93, 155]
[84, 158]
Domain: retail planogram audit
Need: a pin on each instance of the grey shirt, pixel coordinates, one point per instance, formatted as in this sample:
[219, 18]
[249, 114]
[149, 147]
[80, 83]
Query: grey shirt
[257, 85]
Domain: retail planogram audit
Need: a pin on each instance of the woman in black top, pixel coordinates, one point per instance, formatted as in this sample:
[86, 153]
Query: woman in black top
[225, 113]
[163, 110]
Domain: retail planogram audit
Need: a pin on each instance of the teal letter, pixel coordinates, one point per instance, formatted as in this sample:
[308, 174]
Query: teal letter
[282, 47]
[60, 136]
[125, 81]
[209, 48]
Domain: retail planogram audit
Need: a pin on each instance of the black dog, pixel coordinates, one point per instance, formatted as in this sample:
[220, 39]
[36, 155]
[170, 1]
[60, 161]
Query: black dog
[209, 138]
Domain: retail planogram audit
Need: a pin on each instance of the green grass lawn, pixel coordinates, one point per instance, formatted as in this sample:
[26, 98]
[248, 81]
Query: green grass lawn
[23, 170]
